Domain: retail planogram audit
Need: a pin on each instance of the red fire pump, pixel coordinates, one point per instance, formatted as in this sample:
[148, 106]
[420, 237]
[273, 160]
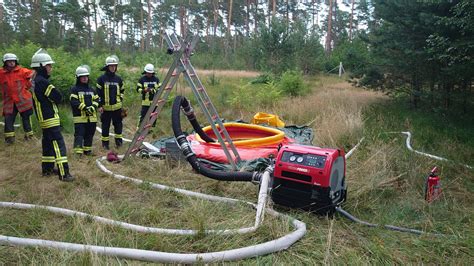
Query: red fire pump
[309, 178]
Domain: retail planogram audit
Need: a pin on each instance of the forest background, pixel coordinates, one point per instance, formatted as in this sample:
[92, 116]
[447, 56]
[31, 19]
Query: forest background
[420, 49]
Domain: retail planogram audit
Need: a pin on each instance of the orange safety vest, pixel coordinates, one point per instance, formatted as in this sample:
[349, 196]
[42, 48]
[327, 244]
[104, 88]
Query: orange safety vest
[15, 86]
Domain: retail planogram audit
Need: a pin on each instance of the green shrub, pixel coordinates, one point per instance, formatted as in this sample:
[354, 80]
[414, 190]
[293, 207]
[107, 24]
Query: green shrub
[264, 78]
[269, 95]
[213, 79]
[291, 83]
[242, 97]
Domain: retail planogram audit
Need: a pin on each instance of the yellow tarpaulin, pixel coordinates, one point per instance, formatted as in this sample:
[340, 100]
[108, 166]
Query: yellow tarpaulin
[269, 119]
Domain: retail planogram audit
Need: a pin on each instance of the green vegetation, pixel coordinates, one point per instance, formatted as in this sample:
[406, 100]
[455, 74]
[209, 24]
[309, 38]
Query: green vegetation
[385, 186]
[412, 58]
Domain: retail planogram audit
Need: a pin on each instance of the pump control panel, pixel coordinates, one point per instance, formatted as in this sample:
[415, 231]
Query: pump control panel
[313, 160]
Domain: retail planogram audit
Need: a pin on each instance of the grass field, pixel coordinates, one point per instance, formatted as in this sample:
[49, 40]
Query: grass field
[385, 186]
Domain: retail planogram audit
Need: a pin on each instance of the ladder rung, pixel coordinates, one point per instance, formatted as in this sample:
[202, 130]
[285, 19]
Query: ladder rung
[160, 101]
[147, 126]
[168, 88]
[200, 89]
[214, 117]
[140, 138]
[135, 150]
[153, 114]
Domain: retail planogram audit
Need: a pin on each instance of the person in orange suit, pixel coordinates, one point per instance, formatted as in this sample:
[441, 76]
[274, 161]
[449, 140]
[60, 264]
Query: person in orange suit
[15, 82]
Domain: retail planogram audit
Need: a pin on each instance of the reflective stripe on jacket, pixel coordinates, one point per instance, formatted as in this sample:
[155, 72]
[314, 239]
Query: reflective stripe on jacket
[152, 84]
[46, 97]
[83, 96]
[110, 90]
[15, 87]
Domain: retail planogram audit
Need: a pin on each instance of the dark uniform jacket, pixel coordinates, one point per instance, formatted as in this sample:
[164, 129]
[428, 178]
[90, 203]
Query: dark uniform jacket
[110, 90]
[83, 96]
[46, 97]
[152, 84]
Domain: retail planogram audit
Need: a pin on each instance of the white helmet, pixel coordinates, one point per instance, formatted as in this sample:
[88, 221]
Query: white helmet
[83, 70]
[41, 58]
[111, 60]
[149, 68]
[9, 57]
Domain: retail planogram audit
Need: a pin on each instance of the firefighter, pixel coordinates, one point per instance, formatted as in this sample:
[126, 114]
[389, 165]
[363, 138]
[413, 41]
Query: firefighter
[15, 83]
[110, 90]
[46, 97]
[84, 103]
[147, 85]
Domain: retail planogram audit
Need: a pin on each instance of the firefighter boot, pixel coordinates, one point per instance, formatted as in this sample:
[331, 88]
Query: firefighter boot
[105, 145]
[48, 172]
[67, 177]
[118, 143]
[9, 140]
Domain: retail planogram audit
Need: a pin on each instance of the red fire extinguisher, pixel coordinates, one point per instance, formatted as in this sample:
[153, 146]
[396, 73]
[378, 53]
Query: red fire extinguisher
[432, 186]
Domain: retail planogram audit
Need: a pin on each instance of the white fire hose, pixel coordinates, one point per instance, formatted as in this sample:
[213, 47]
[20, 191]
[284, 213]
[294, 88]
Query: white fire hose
[165, 257]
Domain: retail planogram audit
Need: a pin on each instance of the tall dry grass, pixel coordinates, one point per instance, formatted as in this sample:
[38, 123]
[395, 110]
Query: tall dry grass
[334, 112]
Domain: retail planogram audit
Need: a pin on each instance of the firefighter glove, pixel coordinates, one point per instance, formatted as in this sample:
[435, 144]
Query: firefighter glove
[90, 110]
[124, 113]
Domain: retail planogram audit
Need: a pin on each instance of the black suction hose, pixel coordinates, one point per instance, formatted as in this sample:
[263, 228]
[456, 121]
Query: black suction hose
[189, 112]
[183, 143]
[386, 226]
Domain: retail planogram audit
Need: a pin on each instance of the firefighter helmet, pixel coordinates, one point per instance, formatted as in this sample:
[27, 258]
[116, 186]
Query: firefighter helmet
[111, 60]
[149, 68]
[9, 57]
[83, 70]
[41, 58]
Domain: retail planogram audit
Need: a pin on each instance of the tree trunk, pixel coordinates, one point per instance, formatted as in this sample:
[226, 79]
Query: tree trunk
[351, 21]
[416, 91]
[447, 95]
[60, 21]
[229, 21]
[142, 39]
[215, 4]
[269, 12]
[208, 25]
[112, 29]
[2, 34]
[255, 17]
[89, 30]
[148, 27]
[36, 29]
[466, 86]
[122, 22]
[432, 90]
[182, 21]
[273, 8]
[162, 38]
[94, 5]
[247, 18]
[287, 12]
[329, 32]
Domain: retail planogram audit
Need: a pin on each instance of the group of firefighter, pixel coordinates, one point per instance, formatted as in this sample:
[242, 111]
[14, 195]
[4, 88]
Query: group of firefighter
[24, 90]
